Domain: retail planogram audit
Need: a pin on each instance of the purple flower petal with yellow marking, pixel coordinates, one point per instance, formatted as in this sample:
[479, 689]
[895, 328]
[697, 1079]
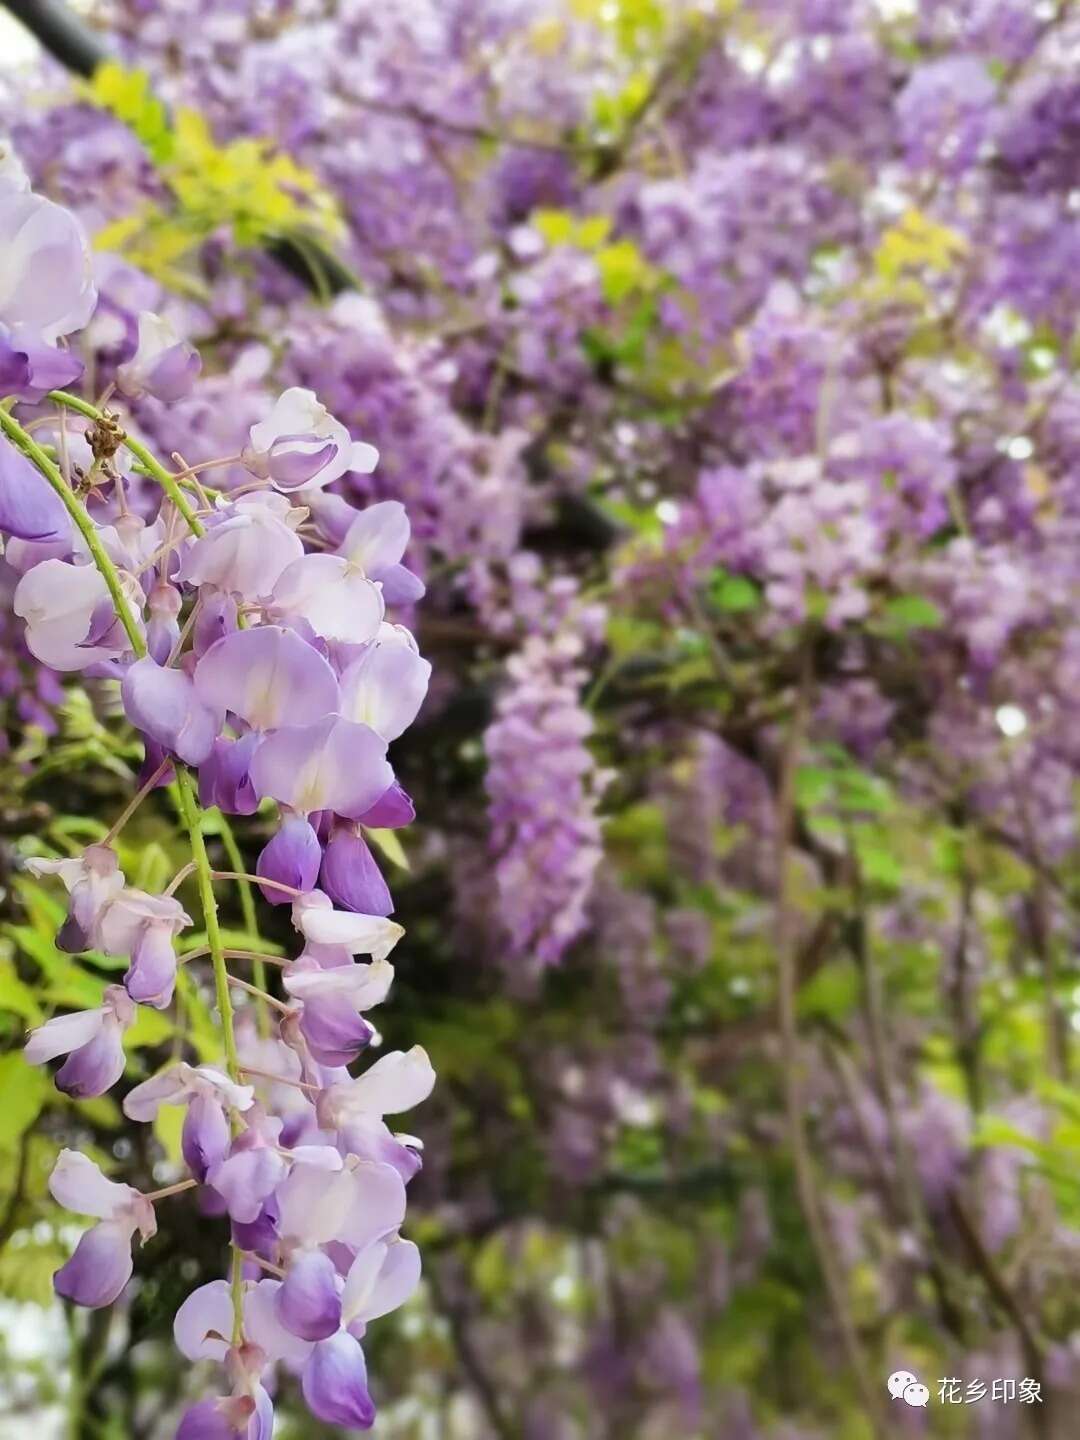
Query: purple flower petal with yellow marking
[332, 764]
[269, 677]
[163, 703]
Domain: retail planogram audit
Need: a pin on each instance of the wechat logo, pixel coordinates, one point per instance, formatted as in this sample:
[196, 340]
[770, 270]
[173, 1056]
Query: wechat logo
[903, 1385]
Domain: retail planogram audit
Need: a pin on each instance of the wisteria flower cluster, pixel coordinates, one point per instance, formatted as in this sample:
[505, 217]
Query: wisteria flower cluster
[248, 632]
[755, 319]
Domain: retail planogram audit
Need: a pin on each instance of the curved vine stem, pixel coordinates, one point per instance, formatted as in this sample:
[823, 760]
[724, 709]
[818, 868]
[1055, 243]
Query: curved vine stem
[85, 526]
[250, 917]
[189, 809]
[165, 478]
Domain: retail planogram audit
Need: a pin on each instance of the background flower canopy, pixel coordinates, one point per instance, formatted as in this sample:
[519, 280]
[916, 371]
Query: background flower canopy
[711, 367]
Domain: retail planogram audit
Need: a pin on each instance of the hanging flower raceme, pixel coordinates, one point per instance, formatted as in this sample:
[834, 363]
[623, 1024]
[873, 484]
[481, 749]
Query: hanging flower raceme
[257, 674]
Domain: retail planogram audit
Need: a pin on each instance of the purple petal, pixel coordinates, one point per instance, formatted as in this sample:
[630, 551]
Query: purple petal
[29, 508]
[151, 977]
[333, 764]
[78, 1185]
[315, 1201]
[203, 1325]
[164, 365]
[294, 460]
[50, 369]
[396, 1082]
[334, 1033]
[100, 1267]
[269, 677]
[243, 553]
[205, 1137]
[385, 687]
[369, 1138]
[263, 1328]
[245, 1180]
[206, 1421]
[397, 1280]
[391, 811]
[332, 514]
[399, 586]
[63, 1034]
[48, 271]
[163, 704]
[292, 857]
[308, 1302]
[379, 1207]
[240, 1415]
[378, 536]
[260, 1235]
[153, 755]
[14, 367]
[381, 1278]
[105, 626]
[163, 626]
[217, 618]
[261, 1425]
[351, 877]
[29, 368]
[172, 377]
[95, 1067]
[224, 778]
[335, 1383]
[336, 599]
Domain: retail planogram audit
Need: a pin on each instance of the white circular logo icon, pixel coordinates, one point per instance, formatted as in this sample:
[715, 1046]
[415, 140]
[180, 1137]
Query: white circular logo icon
[899, 1381]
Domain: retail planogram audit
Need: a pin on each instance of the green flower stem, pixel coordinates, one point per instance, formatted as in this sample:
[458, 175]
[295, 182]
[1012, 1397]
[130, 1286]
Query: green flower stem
[237, 1289]
[164, 478]
[251, 919]
[34, 453]
[189, 809]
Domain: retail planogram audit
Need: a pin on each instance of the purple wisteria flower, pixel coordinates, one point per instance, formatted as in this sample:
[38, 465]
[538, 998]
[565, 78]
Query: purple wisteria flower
[92, 1040]
[271, 674]
[164, 365]
[246, 548]
[47, 290]
[102, 1263]
[209, 1095]
[300, 444]
[544, 788]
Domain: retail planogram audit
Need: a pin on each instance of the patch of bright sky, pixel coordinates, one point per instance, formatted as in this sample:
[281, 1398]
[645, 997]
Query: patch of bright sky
[17, 46]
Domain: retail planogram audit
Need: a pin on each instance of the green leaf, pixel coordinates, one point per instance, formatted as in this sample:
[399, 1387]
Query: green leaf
[24, 1088]
[17, 996]
[833, 992]
[734, 594]
[26, 1270]
[623, 270]
[388, 843]
[150, 1028]
[879, 865]
[168, 1129]
[905, 613]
